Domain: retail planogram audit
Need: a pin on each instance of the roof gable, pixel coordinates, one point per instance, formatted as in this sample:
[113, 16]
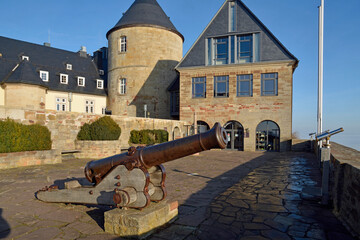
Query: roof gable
[271, 48]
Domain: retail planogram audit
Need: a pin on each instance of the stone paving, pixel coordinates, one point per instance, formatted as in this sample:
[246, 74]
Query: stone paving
[222, 195]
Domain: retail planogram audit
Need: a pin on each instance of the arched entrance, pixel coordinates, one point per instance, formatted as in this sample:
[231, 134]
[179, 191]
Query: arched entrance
[235, 134]
[268, 136]
[176, 133]
[202, 126]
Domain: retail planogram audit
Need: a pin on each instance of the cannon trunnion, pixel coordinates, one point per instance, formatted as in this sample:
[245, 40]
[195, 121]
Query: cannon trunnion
[135, 178]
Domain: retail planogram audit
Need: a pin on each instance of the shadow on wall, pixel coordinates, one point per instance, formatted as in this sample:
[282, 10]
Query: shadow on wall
[4, 226]
[154, 91]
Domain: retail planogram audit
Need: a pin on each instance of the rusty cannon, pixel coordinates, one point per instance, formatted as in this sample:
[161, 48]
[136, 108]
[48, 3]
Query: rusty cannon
[135, 178]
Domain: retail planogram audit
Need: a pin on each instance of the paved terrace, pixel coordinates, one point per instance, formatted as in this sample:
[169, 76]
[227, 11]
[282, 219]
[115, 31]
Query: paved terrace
[222, 195]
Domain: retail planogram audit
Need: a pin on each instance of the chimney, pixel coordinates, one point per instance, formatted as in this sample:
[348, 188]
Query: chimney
[47, 44]
[83, 52]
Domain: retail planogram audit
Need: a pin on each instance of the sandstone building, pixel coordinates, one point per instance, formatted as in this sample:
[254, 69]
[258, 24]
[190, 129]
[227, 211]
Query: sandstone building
[236, 73]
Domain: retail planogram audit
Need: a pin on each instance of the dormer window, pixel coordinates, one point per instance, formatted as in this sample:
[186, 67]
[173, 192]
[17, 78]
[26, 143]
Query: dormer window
[44, 75]
[122, 44]
[101, 72]
[81, 81]
[100, 84]
[64, 78]
[68, 67]
[26, 58]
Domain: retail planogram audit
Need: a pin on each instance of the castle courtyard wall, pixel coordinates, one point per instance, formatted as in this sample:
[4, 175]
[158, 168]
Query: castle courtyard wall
[64, 126]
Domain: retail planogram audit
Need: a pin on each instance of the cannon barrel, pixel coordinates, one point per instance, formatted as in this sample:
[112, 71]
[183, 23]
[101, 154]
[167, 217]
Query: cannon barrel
[155, 155]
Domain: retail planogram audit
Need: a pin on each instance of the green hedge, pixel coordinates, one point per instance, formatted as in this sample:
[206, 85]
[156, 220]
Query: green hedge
[148, 136]
[16, 137]
[103, 129]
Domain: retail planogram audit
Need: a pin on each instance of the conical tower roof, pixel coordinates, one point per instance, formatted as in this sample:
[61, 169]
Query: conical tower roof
[145, 13]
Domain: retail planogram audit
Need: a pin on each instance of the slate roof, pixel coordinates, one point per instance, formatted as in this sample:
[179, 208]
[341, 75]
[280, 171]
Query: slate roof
[47, 59]
[24, 72]
[145, 13]
[271, 49]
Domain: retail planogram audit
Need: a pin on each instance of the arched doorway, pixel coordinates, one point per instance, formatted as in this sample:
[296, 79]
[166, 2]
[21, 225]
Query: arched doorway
[235, 134]
[268, 136]
[202, 126]
[176, 133]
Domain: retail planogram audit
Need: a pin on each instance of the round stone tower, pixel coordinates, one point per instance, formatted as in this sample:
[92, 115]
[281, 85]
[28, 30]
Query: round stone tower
[144, 48]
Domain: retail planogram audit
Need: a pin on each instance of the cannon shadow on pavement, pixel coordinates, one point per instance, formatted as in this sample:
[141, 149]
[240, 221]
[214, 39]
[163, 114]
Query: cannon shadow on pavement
[4, 226]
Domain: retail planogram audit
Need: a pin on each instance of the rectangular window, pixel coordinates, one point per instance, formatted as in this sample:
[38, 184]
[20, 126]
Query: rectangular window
[68, 66]
[122, 44]
[81, 81]
[244, 85]
[89, 106]
[209, 52]
[61, 104]
[199, 87]
[44, 75]
[232, 17]
[100, 84]
[122, 86]
[221, 86]
[269, 84]
[221, 50]
[63, 78]
[244, 49]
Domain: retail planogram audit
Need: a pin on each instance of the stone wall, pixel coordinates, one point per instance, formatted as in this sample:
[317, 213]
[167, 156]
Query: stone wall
[64, 126]
[345, 185]
[301, 145]
[22, 159]
[97, 149]
[248, 111]
[148, 67]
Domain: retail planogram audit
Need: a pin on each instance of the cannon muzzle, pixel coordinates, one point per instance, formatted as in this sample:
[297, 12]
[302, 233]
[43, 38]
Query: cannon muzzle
[155, 155]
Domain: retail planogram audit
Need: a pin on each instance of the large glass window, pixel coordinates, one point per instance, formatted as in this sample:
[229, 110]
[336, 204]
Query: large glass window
[269, 84]
[244, 85]
[221, 50]
[221, 86]
[233, 49]
[268, 136]
[122, 86]
[199, 87]
[244, 49]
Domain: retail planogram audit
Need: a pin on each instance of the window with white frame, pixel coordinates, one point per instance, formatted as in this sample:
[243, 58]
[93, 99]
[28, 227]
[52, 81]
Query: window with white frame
[44, 75]
[101, 72]
[89, 106]
[122, 86]
[68, 67]
[26, 58]
[64, 78]
[100, 84]
[233, 49]
[61, 104]
[81, 81]
[123, 44]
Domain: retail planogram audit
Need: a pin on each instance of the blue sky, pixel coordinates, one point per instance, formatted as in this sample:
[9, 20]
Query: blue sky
[72, 24]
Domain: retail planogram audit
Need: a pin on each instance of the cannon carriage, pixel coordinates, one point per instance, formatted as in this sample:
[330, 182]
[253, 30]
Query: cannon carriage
[135, 178]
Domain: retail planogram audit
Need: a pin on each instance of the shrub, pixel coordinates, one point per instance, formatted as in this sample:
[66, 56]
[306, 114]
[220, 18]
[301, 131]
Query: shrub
[104, 128]
[148, 136]
[16, 137]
